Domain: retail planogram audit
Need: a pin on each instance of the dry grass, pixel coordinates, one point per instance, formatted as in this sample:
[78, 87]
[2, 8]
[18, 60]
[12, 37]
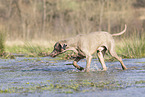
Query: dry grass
[42, 43]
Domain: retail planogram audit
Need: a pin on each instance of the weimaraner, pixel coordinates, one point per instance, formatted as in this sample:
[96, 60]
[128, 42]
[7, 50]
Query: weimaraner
[85, 45]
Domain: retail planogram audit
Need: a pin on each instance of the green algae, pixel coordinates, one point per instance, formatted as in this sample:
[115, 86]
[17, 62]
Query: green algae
[69, 88]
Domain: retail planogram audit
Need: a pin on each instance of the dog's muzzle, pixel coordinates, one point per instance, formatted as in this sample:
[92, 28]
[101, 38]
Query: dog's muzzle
[53, 54]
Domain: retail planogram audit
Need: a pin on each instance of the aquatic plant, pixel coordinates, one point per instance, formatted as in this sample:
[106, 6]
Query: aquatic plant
[69, 88]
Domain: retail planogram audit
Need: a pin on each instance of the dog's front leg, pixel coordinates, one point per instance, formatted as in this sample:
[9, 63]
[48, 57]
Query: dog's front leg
[75, 63]
[88, 58]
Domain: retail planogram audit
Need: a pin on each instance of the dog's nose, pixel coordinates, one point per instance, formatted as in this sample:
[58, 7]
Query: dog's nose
[50, 55]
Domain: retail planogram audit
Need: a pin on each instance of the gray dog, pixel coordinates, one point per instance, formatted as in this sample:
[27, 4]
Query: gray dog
[85, 45]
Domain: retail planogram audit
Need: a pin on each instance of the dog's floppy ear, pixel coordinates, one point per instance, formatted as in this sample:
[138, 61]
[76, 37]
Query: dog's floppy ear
[63, 44]
[57, 45]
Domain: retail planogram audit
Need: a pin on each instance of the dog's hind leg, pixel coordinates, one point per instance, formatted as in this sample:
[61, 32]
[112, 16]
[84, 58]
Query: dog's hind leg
[101, 59]
[113, 53]
[101, 52]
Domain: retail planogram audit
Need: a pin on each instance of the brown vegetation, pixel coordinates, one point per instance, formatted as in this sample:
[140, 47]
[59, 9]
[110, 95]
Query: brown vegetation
[56, 19]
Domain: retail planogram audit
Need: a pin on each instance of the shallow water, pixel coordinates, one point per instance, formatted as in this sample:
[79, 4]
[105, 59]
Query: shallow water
[45, 76]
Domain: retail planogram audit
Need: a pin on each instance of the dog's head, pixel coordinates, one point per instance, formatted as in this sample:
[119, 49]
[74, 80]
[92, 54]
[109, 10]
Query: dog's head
[58, 49]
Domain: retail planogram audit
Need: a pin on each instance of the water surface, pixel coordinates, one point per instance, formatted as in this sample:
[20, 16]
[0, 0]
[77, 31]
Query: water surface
[45, 76]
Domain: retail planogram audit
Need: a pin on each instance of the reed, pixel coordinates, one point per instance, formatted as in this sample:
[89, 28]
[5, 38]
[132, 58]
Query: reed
[133, 47]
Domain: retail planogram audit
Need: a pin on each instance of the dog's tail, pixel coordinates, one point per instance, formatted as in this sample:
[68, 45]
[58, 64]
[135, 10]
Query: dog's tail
[117, 34]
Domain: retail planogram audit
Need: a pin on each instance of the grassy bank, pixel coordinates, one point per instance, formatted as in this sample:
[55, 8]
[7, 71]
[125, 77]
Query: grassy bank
[125, 47]
[29, 48]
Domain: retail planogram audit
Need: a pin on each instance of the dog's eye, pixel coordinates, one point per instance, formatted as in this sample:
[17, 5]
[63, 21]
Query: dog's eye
[64, 46]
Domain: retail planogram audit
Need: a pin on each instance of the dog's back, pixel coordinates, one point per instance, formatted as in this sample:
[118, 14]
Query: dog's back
[94, 40]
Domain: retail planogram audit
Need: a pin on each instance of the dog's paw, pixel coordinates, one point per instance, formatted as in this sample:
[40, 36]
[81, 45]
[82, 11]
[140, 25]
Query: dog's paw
[81, 68]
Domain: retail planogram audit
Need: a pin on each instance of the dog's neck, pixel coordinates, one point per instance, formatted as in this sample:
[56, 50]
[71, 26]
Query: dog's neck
[71, 44]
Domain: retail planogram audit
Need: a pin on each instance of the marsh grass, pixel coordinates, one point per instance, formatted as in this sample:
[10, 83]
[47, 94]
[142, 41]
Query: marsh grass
[31, 49]
[133, 47]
